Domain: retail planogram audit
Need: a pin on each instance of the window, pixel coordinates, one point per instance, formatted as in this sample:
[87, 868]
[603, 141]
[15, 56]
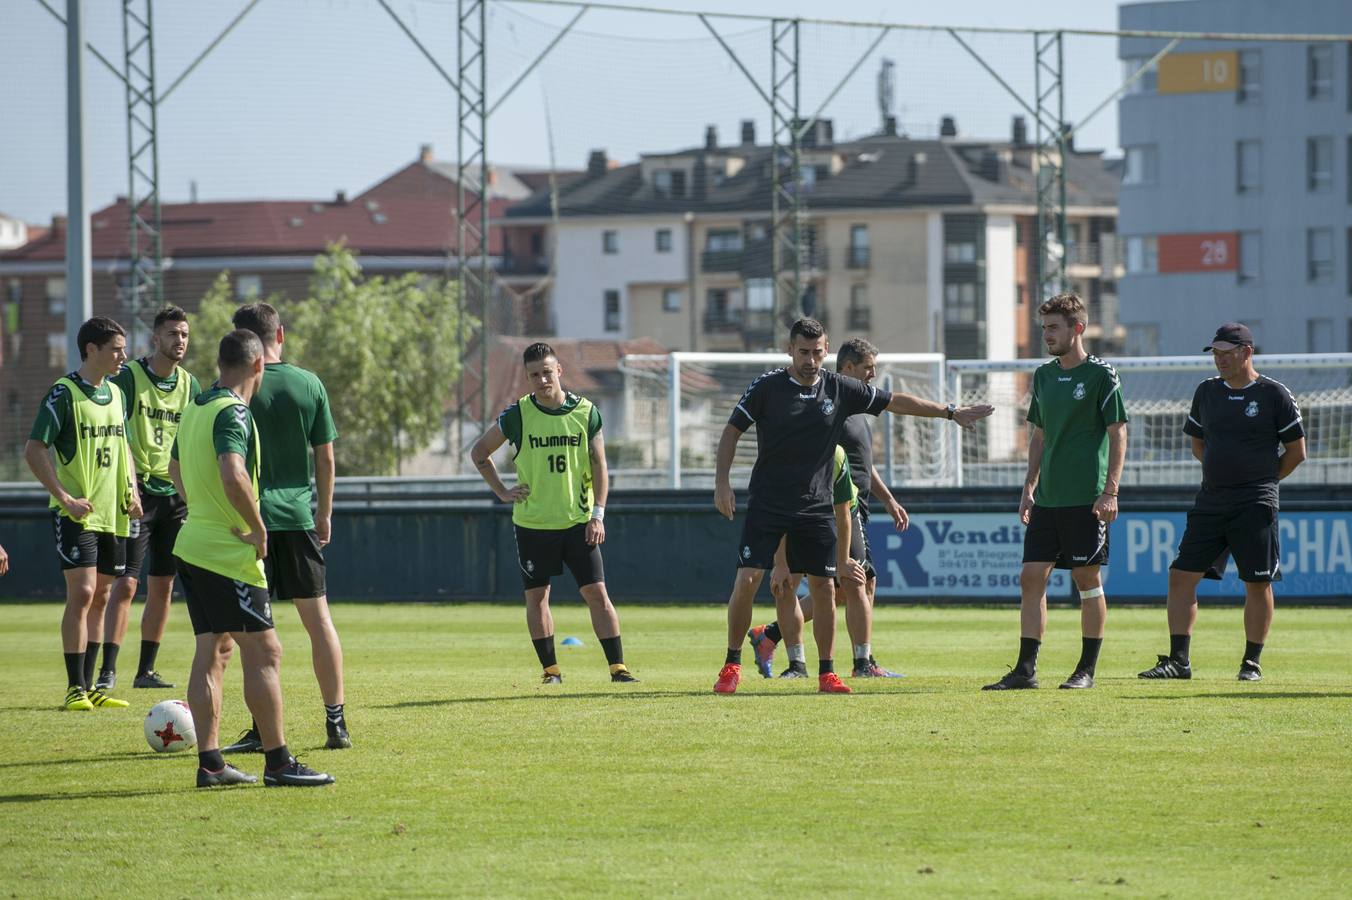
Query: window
[960, 304]
[1319, 71]
[1319, 164]
[963, 252]
[1250, 76]
[760, 293]
[722, 310]
[1249, 167]
[663, 240]
[1142, 255]
[724, 240]
[1250, 255]
[56, 349]
[859, 247]
[1142, 165]
[669, 182]
[612, 311]
[859, 309]
[56, 297]
[671, 300]
[610, 242]
[1319, 255]
[1319, 336]
[1143, 340]
[1148, 79]
[248, 287]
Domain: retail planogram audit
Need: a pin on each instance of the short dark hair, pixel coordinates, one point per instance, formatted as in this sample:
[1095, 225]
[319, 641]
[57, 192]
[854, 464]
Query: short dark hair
[169, 314]
[855, 350]
[536, 352]
[260, 318]
[97, 331]
[1069, 306]
[808, 328]
[238, 349]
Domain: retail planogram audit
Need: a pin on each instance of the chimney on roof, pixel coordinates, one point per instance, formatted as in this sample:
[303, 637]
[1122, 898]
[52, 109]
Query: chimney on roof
[1019, 136]
[711, 137]
[192, 191]
[340, 198]
[58, 223]
[597, 164]
[425, 153]
[748, 132]
[948, 127]
[890, 126]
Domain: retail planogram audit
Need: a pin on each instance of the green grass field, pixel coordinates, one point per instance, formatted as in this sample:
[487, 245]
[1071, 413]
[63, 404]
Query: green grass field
[469, 778]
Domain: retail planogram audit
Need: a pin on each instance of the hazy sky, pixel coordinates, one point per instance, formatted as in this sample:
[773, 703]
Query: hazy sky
[307, 97]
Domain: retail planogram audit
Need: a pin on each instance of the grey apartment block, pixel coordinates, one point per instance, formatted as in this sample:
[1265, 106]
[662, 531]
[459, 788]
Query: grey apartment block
[1267, 163]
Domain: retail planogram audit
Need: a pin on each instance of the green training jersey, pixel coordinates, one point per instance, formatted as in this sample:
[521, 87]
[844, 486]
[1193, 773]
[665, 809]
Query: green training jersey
[154, 406]
[553, 457]
[842, 485]
[86, 426]
[216, 423]
[292, 412]
[1074, 408]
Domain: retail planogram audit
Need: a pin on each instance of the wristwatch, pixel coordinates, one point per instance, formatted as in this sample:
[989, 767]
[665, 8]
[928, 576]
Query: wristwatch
[952, 408]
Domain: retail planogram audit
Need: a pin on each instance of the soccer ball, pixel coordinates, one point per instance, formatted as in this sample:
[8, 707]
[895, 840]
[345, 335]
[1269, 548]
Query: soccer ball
[169, 727]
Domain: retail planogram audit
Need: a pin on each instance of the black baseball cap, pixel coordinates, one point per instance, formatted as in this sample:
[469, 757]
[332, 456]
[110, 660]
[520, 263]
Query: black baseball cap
[1229, 336]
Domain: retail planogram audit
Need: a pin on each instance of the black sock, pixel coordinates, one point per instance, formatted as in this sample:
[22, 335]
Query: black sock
[544, 649]
[825, 666]
[614, 650]
[773, 633]
[91, 658]
[1179, 644]
[74, 669]
[861, 662]
[1089, 653]
[110, 657]
[149, 650]
[277, 759]
[734, 657]
[1027, 664]
[211, 760]
[1252, 651]
[334, 714]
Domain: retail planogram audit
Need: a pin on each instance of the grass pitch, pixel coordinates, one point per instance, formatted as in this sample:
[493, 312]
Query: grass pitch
[468, 778]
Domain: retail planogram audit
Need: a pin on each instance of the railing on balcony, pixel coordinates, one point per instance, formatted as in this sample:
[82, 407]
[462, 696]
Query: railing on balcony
[1105, 254]
[523, 265]
[860, 318]
[721, 260]
[858, 258]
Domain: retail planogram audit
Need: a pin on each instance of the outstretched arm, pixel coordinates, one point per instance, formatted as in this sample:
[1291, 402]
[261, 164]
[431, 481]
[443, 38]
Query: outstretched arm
[903, 404]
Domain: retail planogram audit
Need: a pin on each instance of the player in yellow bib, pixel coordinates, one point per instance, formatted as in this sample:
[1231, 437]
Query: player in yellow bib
[82, 421]
[157, 391]
[559, 502]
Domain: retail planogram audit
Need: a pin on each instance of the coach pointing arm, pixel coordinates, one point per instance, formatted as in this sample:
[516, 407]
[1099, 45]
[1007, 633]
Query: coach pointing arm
[910, 405]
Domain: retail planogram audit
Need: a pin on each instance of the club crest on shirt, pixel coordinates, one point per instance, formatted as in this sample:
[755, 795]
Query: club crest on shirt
[1078, 393]
[746, 552]
[1252, 409]
[828, 406]
[530, 567]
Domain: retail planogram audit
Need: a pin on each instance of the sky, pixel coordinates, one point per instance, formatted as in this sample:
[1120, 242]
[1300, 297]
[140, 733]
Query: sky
[309, 97]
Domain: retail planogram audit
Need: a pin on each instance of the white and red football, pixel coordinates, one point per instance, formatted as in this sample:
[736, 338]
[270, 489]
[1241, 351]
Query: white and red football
[169, 727]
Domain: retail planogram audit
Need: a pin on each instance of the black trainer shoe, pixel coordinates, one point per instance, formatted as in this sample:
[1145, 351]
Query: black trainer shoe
[1168, 667]
[623, 676]
[228, 775]
[295, 774]
[551, 678]
[795, 670]
[338, 737]
[107, 680]
[1014, 680]
[1077, 680]
[150, 680]
[1250, 671]
[248, 742]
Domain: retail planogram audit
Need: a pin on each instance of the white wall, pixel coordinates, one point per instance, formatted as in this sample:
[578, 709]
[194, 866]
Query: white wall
[585, 272]
[1001, 299]
[13, 233]
[934, 279]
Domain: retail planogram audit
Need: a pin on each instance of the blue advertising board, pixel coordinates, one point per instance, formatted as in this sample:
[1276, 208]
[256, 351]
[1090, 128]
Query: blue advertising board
[978, 555]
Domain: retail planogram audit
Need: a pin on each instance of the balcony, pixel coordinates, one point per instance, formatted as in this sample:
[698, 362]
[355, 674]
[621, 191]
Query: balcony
[858, 258]
[721, 261]
[523, 265]
[1106, 255]
[860, 318]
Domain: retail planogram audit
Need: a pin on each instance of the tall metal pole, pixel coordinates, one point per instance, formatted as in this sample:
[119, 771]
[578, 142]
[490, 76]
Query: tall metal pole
[144, 290]
[1050, 161]
[474, 281]
[786, 214]
[79, 271]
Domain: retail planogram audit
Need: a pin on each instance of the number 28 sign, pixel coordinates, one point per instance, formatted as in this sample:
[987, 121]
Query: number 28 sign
[1205, 252]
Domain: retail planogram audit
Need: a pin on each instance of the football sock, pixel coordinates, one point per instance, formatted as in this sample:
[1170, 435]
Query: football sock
[91, 658]
[149, 650]
[74, 669]
[1179, 646]
[614, 650]
[825, 666]
[277, 759]
[1089, 654]
[211, 760]
[1027, 664]
[1252, 651]
[862, 654]
[334, 714]
[544, 649]
[110, 657]
[734, 657]
[796, 654]
[773, 633]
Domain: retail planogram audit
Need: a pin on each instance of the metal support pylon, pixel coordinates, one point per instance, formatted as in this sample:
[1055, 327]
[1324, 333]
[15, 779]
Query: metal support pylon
[786, 207]
[143, 294]
[474, 275]
[1050, 162]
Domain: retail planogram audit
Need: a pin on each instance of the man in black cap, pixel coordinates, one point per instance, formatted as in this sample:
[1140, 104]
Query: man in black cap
[1246, 432]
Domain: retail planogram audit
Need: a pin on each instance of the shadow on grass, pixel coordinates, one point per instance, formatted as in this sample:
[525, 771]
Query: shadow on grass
[1253, 695]
[627, 695]
[72, 761]
[92, 795]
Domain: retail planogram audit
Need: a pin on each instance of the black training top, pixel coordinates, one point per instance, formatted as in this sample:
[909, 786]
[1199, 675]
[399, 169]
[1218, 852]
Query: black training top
[857, 439]
[797, 430]
[1242, 429]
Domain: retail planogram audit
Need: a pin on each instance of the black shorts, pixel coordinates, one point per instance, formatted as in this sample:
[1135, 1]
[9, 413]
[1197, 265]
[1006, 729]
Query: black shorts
[219, 605]
[810, 541]
[1068, 536]
[1248, 533]
[80, 548]
[153, 535]
[860, 538]
[295, 565]
[541, 553]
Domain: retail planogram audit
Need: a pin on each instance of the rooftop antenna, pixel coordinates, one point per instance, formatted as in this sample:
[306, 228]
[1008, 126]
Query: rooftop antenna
[887, 90]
